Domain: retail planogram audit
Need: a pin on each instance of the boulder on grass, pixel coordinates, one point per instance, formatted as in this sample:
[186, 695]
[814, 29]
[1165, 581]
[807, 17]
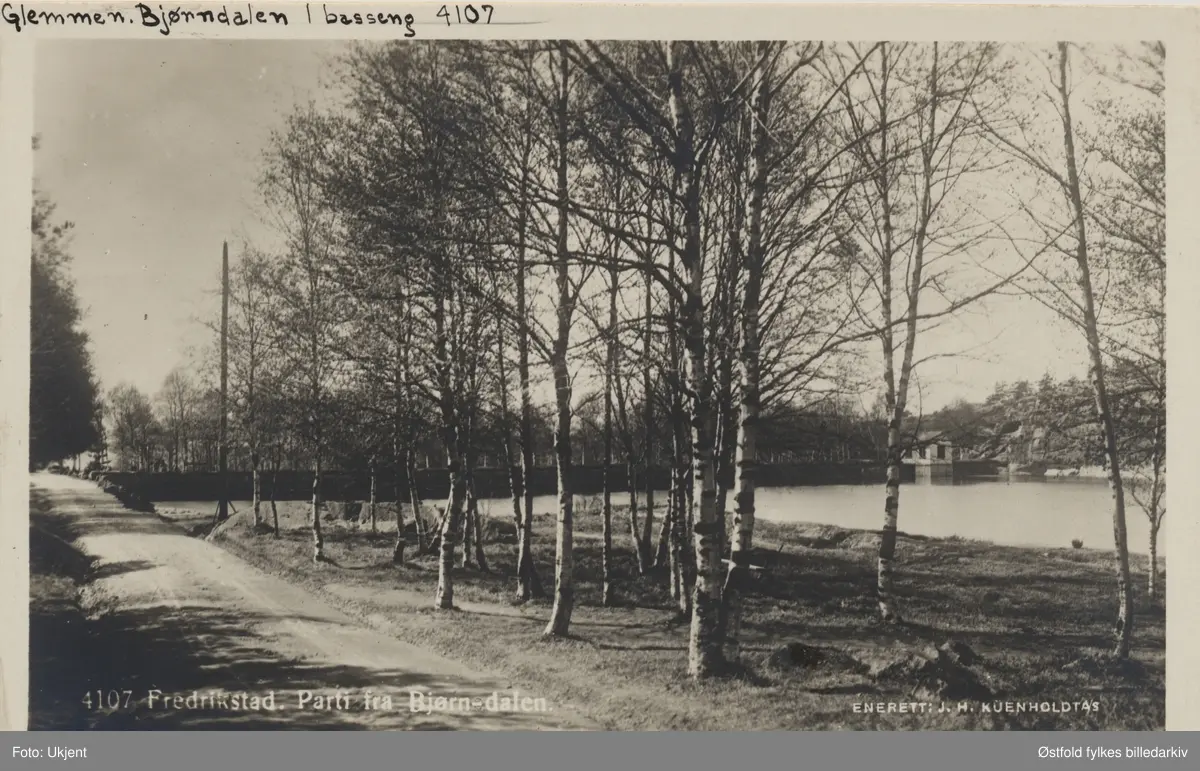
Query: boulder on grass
[958, 652]
[930, 674]
[499, 531]
[800, 656]
[795, 655]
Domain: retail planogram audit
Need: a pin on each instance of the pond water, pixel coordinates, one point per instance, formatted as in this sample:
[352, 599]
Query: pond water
[1028, 513]
[1046, 513]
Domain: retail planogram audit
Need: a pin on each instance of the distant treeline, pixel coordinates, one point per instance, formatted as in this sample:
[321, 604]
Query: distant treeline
[1051, 422]
[435, 483]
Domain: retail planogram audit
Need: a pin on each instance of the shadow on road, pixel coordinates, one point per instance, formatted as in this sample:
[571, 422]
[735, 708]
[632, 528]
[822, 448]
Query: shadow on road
[79, 666]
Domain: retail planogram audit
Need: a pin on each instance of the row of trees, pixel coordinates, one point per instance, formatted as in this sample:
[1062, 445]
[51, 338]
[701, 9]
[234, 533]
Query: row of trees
[64, 403]
[473, 220]
[692, 233]
[176, 429]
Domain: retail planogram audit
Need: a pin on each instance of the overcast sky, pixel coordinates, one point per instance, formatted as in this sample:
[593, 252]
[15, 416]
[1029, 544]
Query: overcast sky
[150, 149]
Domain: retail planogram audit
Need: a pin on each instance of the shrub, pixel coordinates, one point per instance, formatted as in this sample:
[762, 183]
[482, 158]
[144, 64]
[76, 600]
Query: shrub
[1076, 543]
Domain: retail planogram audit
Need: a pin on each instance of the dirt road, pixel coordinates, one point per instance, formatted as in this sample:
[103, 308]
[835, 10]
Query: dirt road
[180, 628]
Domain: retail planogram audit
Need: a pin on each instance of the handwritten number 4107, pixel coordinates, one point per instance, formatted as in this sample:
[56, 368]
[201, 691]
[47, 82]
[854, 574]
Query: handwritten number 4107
[466, 13]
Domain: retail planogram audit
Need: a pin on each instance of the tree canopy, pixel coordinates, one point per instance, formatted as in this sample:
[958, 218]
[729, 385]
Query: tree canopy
[64, 408]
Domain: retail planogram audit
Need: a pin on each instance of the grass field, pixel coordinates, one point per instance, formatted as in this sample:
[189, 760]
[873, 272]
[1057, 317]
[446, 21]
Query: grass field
[1039, 621]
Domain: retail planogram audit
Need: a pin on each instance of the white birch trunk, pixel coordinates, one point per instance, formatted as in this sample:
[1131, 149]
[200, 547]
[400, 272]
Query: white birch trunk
[746, 458]
[564, 565]
[1124, 623]
[704, 648]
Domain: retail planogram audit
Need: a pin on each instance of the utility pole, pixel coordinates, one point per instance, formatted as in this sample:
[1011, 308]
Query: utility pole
[223, 446]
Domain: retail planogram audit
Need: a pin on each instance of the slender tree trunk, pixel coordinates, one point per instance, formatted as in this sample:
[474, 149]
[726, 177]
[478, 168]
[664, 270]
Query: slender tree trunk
[620, 397]
[1157, 512]
[400, 482]
[318, 540]
[1152, 587]
[449, 537]
[609, 378]
[414, 500]
[256, 488]
[897, 394]
[1156, 494]
[746, 461]
[450, 525]
[529, 584]
[435, 538]
[515, 485]
[372, 503]
[400, 456]
[477, 524]
[223, 447]
[627, 442]
[1124, 624]
[468, 530]
[274, 485]
[606, 549]
[678, 538]
[704, 646]
[722, 537]
[645, 557]
[737, 262]
[472, 528]
[635, 531]
[723, 450]
[678, 512]
[887, 537]
[564, 579]
[517, 493]
[891, 506]
[402, 432]
[689, 509]
[663, 547]
[451, 522]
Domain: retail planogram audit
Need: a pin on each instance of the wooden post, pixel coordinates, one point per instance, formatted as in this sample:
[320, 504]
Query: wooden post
[223, 447]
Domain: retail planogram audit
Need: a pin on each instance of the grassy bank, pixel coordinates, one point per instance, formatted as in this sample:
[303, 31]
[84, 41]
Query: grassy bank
[1038, 620]
[59, 639]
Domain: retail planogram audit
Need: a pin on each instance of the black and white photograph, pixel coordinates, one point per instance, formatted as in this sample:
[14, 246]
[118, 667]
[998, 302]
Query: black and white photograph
[598, 384]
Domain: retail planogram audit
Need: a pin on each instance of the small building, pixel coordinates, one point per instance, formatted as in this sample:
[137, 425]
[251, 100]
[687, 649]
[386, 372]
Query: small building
[931, 447]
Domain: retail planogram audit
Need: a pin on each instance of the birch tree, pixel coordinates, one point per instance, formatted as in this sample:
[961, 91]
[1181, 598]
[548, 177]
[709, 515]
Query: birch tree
[254, 364]
[176, 399]
[675, 138]
[1062, 213]
[311, 306]
[564, 581]
[911, 221]
[1131, 214]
